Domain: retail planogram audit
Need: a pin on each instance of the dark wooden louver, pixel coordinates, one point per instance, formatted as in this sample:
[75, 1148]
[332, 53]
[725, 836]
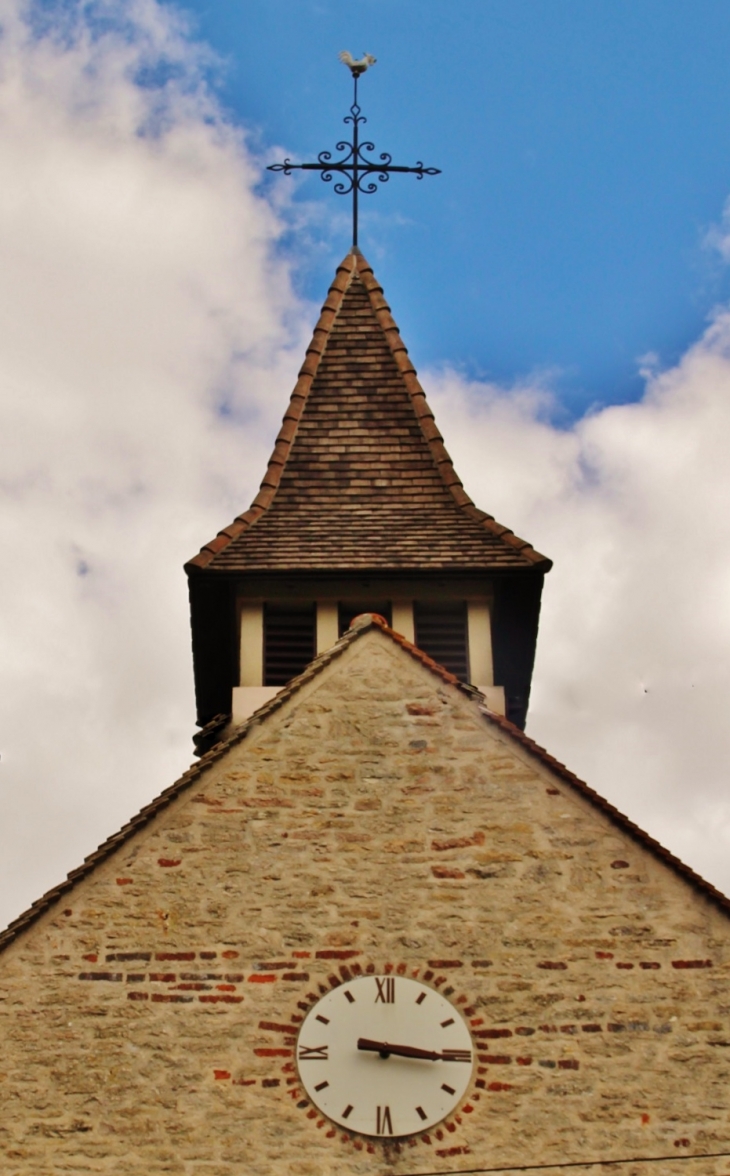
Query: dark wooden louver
[289, 642]
[441, 632]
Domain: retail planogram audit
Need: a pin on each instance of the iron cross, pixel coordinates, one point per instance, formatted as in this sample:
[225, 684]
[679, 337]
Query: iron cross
[355, 168]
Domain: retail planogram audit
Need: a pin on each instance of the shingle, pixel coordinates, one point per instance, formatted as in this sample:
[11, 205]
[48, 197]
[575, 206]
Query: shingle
[360, 477]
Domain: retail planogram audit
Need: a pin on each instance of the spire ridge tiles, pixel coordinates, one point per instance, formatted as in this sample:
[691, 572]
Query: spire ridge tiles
[359, 475]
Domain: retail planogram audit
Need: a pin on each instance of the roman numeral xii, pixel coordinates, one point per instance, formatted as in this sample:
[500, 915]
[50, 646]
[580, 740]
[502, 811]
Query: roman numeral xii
[386, 989]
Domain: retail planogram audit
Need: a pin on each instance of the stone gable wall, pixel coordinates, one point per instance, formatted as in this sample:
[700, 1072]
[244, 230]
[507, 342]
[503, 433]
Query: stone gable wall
[376, 822]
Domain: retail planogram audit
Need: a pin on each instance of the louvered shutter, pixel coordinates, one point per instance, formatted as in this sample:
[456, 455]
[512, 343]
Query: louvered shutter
[289, 642]
[441, 632]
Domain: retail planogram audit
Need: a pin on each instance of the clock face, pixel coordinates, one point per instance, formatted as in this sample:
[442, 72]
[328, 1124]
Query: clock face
[384, 1056]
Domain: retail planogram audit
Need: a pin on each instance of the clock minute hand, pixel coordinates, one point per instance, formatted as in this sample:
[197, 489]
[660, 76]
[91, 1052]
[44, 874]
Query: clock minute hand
[384, 1048]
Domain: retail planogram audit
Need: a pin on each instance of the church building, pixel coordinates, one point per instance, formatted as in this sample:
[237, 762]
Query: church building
[374, 928]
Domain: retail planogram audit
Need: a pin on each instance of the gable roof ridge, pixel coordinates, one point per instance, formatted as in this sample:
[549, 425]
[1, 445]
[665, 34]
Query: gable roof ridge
[149, 811]
[285, 439]
[360, 625]
[427, 420]
[557, 768]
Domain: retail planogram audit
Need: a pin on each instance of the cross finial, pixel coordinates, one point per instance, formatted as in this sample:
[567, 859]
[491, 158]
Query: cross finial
[356, 168]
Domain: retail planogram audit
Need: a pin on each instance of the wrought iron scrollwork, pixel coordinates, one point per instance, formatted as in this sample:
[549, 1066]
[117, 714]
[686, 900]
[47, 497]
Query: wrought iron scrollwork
[360, 174]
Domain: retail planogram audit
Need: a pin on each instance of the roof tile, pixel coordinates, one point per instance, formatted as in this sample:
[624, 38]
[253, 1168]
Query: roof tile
[360, 476]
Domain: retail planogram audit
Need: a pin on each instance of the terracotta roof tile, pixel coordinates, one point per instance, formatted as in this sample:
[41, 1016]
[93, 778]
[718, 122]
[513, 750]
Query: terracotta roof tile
[359, 476]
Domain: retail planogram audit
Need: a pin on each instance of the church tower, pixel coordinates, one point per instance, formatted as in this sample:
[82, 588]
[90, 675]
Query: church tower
[374, 927]
[360, 510]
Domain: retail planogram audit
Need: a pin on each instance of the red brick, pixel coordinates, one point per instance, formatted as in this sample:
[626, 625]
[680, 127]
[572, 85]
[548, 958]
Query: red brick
[219, 999]
[446, 872]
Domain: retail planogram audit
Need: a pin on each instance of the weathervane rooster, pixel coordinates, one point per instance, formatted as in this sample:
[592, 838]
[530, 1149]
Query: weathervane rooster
[357, 67]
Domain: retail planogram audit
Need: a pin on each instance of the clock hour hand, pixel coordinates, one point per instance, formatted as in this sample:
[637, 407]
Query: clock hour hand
[384, 1048]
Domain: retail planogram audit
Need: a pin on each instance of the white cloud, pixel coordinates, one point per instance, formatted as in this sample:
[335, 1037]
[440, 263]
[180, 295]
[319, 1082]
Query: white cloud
[632, 683]
[147, 337]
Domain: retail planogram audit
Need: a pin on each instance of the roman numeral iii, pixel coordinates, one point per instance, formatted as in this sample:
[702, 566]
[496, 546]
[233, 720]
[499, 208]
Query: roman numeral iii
[386, 990]
[456, 1055]
[313, 1053]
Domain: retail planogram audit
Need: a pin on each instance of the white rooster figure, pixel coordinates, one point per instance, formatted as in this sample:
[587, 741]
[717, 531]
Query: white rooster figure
[357, 67]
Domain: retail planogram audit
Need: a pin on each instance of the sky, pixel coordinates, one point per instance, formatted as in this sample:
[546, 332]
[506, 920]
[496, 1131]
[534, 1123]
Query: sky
[581, 148]
[563, 289]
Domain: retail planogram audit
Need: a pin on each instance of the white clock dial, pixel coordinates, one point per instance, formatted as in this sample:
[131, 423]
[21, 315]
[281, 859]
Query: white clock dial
[384, 1056]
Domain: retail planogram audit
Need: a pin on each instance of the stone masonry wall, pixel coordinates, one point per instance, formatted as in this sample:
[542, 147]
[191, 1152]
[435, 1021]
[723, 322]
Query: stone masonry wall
[376, 822]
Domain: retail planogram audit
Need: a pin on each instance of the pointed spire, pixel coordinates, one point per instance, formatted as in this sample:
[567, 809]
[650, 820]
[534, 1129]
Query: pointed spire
[360, 476]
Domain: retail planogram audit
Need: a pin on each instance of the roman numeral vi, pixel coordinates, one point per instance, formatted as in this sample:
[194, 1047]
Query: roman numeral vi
[384, 1123]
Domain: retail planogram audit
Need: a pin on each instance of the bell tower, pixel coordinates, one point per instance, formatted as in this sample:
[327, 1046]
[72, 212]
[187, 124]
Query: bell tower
[360, 510]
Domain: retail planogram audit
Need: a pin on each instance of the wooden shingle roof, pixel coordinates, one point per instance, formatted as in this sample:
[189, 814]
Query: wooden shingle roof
[359, 476]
